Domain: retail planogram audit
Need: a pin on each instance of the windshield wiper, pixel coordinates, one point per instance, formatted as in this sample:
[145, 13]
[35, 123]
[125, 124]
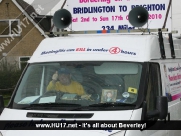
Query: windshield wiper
[50, 105]
[54, 104]
[99, 106]
[111, 104]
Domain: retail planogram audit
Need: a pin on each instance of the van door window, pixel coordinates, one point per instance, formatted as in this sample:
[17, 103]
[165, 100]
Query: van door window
[154, 86]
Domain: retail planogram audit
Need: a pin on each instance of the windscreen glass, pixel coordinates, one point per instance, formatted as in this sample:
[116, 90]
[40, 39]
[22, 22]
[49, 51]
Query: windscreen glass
[65, 85]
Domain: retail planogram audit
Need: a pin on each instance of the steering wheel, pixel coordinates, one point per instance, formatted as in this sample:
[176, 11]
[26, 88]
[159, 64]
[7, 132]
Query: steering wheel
[95, 97]
[51, 92]
[58, 94]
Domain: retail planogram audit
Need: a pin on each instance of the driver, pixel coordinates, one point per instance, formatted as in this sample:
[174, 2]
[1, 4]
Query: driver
[61, 81]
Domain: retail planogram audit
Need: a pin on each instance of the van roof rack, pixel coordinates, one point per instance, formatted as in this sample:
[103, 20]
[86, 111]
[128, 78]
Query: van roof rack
[65, 33]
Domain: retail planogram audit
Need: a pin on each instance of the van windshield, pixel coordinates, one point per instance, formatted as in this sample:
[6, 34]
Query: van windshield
[66, 85]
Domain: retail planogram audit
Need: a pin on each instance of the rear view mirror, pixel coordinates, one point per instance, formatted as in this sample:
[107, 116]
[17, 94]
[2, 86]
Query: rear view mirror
[117, 68]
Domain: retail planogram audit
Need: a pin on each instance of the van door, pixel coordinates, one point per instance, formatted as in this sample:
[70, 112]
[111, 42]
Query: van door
[154, 89]
[171, 78]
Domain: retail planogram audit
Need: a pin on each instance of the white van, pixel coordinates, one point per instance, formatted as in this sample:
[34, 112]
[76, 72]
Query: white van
[139, 70]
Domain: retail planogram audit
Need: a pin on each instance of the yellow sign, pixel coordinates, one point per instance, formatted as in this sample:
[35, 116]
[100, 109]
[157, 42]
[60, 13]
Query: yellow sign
[132, 90]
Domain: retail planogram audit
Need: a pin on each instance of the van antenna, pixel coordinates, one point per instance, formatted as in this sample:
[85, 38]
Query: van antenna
[168, 9]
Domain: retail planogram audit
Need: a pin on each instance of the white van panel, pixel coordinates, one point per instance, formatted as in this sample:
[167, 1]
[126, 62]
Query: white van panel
[98, 115]
[59, 133]
[100, 47]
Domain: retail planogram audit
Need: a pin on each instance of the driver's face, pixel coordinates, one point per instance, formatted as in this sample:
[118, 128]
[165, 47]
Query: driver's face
[64, 79]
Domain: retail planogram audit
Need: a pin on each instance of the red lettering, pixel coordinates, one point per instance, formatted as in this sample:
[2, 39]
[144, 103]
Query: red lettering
[80, 49]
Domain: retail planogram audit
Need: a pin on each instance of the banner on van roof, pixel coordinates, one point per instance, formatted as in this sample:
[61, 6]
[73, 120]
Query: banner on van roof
[172, 80]
[113, 14]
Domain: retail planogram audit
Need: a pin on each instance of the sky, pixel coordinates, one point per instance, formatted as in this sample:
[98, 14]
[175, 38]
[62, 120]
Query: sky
[51, 6]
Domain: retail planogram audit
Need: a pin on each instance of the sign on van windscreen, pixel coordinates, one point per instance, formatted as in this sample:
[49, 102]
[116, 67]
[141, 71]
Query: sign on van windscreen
[113, 14]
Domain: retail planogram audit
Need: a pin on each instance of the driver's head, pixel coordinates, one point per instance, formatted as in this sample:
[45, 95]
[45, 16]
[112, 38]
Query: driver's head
[64, 76]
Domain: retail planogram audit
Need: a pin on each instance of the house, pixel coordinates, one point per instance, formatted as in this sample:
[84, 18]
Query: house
[21, 30]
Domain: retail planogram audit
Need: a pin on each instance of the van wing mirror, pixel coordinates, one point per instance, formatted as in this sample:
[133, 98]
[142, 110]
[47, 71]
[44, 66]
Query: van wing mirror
[161, 111]
[1, 104]
[162, 106]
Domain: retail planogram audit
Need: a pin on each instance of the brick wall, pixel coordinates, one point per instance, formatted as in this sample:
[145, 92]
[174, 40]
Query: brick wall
[30, 38]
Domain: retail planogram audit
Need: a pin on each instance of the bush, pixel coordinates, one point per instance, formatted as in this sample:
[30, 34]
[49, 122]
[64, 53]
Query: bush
[9, 74]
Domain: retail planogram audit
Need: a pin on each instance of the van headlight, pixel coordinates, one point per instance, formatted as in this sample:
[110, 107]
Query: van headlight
[1, 134]
[119, 133]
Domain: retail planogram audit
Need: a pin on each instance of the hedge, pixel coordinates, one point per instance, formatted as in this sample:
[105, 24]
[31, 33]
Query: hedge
[9, 74]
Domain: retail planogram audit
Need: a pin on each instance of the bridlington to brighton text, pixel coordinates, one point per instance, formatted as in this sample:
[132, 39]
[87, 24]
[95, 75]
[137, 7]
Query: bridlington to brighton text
[109, 9]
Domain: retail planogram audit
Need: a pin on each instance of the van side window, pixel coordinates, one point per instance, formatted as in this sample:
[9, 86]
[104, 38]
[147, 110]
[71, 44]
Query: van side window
[154, 86]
